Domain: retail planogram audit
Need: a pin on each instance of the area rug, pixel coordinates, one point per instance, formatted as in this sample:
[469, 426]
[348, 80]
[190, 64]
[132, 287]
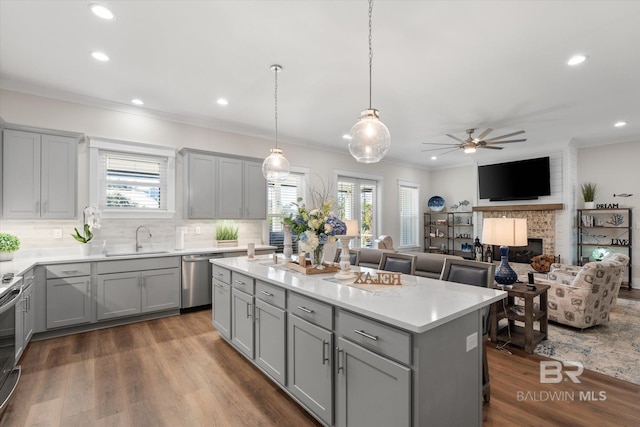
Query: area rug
[612, 349]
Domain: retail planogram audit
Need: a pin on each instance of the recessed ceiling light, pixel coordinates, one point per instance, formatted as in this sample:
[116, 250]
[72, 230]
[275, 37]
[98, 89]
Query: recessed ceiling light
[434, 157]
[222, 101]
[576, 59]
[346, 136]
[101, 11]
[137, 101]
[620, 124]
[100, 56]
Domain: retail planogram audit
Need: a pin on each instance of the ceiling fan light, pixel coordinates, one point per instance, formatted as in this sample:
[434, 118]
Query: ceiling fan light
[469, 148]
[275, 167]
[370, 138]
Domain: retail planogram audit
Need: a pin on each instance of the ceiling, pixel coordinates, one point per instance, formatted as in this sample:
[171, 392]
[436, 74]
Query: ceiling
[439, 67]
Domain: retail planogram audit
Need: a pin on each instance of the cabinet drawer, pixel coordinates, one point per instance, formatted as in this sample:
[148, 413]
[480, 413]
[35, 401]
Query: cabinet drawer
[123, 266]
[222, 274]
[270, 293]
[242, 282]
[378, 337]
[311, 310]
[58, 271]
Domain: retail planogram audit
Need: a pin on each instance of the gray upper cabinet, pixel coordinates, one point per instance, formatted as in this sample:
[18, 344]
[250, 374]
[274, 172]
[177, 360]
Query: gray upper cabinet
[255, 191]
[220, 187]
[45, 166]
[200, 190]
[230, 188]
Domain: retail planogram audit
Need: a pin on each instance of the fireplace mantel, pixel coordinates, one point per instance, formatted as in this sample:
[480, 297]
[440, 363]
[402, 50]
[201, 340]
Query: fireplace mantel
[544, 207]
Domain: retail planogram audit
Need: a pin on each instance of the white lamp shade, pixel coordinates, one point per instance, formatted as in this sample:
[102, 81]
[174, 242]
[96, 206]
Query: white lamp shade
[352, 227]
[504, 231]
[276, 167]
[369, 138]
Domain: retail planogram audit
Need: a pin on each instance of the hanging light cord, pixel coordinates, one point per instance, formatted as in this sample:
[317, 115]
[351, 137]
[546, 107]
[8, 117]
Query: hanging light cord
[276, 105]
[370, 50]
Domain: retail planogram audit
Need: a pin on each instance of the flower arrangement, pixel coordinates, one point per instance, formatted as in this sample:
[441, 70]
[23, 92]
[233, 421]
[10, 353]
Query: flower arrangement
[91, 216]
[315, 227]
[9, 242]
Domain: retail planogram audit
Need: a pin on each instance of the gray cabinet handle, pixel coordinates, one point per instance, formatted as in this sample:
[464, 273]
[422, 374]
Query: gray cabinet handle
[305, 309]
[218, 285]
[340, 365]
[324, 355]
[218, 273]
[366, 335]
[70, 271]
[266, 293]
[45, 205]
[249, 310]
[239, 282]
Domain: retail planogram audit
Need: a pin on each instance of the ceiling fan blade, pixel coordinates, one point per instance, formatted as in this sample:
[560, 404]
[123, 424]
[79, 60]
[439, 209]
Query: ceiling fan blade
[491, 147]
[441, 148]
[485, 133]
[505, 136]
[447, 152]
[505, 142]
[439, 143]
[456, 138]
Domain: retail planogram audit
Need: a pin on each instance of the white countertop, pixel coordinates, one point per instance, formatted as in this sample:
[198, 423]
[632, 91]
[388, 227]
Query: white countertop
[419, 305]
[19, 265]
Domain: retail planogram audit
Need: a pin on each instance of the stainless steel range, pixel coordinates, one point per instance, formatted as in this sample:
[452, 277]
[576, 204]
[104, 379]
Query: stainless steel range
[9, 373]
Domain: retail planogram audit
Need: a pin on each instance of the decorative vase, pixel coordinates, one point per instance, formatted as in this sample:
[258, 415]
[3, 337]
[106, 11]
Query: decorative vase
[288, 243]
[6, 256]
[318, 254]
[85, 249]
[589, 205]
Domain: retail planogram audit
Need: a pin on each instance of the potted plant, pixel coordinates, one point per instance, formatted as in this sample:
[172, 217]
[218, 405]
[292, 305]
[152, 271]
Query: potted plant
[589, 191]
[8, 245]
[85, 239]
[226, 234]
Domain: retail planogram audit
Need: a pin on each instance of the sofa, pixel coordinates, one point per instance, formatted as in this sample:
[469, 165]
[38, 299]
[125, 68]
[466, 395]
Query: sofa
[427, 264]
[583, 296]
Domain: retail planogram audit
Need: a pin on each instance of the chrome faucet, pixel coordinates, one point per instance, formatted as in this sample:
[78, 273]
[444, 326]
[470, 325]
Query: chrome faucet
[142, 227]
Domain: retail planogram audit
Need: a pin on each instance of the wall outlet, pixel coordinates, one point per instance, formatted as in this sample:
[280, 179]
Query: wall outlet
[198, 230]
[472, 341]
[57, 233]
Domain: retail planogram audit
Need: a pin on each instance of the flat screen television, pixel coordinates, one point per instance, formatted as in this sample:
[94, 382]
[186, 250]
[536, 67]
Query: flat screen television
[520, 180]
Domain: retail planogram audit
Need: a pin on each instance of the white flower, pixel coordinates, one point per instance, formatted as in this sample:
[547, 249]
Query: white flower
[92, 217]
[310, 241]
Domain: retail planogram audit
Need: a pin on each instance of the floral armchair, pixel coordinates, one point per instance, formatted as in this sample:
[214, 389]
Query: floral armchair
[584, 296]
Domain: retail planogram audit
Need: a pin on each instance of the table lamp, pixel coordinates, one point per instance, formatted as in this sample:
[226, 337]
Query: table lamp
[505, 232]
[345, 265]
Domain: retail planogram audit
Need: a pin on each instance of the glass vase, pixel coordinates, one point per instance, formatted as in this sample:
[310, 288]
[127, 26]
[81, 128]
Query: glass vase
[318, 254]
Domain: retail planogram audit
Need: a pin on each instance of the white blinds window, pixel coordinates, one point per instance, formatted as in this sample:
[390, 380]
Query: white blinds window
[134, 181]
[409, 232]
[281, 197]
[131, 180]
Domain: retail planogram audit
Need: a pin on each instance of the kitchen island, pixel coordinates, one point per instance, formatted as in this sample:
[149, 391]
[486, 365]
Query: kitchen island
[350, 355]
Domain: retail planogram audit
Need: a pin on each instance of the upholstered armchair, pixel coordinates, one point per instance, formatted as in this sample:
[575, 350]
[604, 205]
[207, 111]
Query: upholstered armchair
[584, 296]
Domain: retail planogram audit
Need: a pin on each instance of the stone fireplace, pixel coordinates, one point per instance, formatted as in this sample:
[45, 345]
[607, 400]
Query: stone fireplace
[541, 227]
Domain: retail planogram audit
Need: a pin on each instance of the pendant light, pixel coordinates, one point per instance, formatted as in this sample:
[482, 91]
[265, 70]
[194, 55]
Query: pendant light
[369, 138]
[276, 166]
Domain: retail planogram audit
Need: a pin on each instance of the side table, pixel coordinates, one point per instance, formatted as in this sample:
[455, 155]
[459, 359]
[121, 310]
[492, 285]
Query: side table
[526, 336]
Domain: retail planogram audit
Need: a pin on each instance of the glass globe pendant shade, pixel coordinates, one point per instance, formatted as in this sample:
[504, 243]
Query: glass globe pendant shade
[370, 138]
[276, 167]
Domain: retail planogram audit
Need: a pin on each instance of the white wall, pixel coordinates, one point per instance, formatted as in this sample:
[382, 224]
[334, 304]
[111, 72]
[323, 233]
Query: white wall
[27, 110]
[615, 169]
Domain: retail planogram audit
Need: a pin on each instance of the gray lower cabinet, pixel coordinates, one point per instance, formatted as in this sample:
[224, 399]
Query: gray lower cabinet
[132, 293]
[371, 389]
[270, 339]
[221, 315]
[68, 301]
[242, 332]
[310, 367]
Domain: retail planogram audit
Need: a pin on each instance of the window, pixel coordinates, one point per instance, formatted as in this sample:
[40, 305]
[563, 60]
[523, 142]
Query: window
[357, 199]
[130, 180]
[408, 203]
[281, 197]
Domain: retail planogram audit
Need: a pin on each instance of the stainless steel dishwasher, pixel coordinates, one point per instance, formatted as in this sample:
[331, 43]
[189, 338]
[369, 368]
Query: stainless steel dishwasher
[196, 280]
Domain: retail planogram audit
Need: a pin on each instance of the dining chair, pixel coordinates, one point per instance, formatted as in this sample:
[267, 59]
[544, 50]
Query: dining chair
[354, 256]
[474, 273]
[398, 263]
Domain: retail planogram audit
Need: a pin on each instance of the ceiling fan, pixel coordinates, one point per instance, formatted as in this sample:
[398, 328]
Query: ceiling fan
[471, 144]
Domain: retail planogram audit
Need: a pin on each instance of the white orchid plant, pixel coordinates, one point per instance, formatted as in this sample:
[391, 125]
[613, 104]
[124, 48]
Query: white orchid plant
[91, 215]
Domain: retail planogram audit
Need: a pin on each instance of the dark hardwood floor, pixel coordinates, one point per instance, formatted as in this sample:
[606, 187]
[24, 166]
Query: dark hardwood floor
[178, 372]
[629, 294]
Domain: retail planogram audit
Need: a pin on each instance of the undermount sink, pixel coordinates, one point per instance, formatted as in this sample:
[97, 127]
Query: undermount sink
[135, 253]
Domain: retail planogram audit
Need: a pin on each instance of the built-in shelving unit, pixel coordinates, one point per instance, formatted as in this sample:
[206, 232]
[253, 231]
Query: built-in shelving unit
[604, 228]
[449, 233]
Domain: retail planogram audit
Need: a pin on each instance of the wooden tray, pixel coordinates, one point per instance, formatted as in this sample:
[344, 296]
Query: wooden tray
[311, 270]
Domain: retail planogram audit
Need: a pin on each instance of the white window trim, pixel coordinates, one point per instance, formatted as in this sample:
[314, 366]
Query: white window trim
[97, 144]
[371, 177]
[415, 185]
